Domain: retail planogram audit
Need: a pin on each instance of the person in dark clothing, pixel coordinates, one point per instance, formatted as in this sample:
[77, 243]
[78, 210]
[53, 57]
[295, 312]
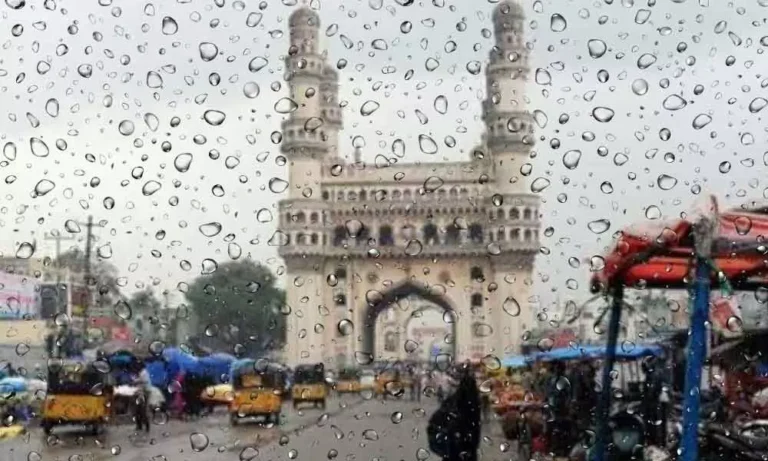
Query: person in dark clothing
[454, 429]
[193, 387]
[652, 401]
[559, 398]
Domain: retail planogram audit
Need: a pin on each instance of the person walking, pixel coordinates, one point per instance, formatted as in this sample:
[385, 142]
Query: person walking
[141, 404]
[454, 429]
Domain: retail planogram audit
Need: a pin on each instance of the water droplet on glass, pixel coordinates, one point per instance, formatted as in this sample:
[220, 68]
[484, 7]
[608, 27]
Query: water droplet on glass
[150, 187]
[210, 229]
[666, 182]
[278, 185]
[653, 212]
[126, 128]
[251, 90]
[25, 250]
[39, 147]
[198, 441]
[369, 107]
[52, 107]
[597, 48]
[599, 226]
[640, 86]
[43, 187]
[646, 60]
[123, 310]
[700, 121]
[214, 117]
[413, 247]
[9, 151]
[571, 159]
[345, 327]
[674, 102]
[539, 184]
[169, 26]
[363, 358]
[511, 307]
[743, 225]
[603, 114]
[396, 417]
[370, 434]
[441, 104]
[557, 23]
[208, 51]
[427, 144]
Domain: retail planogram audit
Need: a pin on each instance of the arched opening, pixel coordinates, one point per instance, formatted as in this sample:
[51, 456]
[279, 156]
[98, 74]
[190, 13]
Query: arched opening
[527, 214]
[385, 235]
[402, 292]
[514, 213]
[476, 233]
[476, 274]
[430, 234]
[339, 236]
[452, 234]
[313, 218]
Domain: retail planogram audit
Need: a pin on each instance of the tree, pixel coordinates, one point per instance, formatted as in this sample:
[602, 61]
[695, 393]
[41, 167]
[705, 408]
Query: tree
[145, 303]
[238, 304]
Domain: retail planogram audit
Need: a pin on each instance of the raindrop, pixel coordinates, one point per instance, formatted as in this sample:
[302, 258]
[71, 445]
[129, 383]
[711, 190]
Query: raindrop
[9, 151]
[369, 107]
[209, 266]
[52, 107]
[43, 187]
[126, 128]
[123, 310]
[427, 144]
[154, 79]
[757, 105]
[257, 63]
[370, 434]
[640, 86]
[557, 23]
[701, 121]
[539, 184]
[278, 185]
[597, 48]
[85, 70]
[72, 226]
[743, 225]
[363, 358]
[182, 162]
[253, 19]
[25, 250]
[413, 247]
[603, 114]
[571, 159]
[170, 26]
[15, 4]
[511, 307]
[653, 212]
[674, 102]
[198, 441]
[210, 229]
[599, 226]
[150, 187]
[214, 117]
[39, 147]
[441, 104]
[345, 327]
[666, 182]
[646, 60]
[396, 417]
[251, 90]
[208, 51]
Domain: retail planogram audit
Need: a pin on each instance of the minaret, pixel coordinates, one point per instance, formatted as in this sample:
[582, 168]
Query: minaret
[509, 139]
[311, 131]
[509, 126]
[310, 142]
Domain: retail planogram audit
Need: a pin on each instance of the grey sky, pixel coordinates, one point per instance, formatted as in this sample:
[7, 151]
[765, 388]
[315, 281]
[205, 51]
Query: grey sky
[575, 198]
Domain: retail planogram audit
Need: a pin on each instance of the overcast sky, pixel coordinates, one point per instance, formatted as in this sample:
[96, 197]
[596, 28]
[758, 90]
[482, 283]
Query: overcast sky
[81, 55]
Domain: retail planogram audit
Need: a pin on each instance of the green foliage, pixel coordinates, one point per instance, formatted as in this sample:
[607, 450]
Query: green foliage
[145, 302]
[103, 274]
[239, 303]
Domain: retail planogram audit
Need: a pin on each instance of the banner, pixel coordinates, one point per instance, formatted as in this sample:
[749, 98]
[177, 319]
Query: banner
[725, 318]
[18, 297]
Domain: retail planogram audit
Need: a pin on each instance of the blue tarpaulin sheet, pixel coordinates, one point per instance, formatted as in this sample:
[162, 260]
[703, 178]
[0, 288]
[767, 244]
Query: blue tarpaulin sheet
[623, 352]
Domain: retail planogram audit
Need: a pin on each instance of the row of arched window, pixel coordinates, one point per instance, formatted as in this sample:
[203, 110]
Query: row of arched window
[429, 235]
[513, 213]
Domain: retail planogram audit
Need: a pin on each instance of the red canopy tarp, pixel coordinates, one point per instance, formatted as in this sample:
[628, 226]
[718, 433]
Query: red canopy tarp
[662, 256]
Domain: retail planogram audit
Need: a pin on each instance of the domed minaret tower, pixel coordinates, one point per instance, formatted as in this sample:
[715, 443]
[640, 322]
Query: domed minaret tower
[310, 143]
[509, 139]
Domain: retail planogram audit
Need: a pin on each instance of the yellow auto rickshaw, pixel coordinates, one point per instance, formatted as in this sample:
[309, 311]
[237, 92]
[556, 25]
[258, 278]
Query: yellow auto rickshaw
[309, 385]
[258, 391]
[78, 394]
[348, 381]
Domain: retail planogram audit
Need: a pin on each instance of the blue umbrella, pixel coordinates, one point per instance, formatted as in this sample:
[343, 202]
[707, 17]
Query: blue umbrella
[178, 360]
[12, 384]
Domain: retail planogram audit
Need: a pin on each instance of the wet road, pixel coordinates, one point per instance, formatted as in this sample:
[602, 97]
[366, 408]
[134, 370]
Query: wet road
[350, 429]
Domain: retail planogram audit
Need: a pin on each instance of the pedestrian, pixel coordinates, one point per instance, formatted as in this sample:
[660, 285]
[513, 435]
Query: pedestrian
[454, 429]
[141, 403]
[559, 398]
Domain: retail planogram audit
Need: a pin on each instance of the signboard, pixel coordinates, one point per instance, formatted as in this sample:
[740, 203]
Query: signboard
[18, 297]
[725, 317]
[121, 333]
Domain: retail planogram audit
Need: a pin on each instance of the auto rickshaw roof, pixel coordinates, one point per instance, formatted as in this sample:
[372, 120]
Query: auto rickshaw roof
[654, 256]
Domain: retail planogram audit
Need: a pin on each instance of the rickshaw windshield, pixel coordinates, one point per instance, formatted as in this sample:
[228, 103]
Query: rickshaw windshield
[309, 375]
[74, 379]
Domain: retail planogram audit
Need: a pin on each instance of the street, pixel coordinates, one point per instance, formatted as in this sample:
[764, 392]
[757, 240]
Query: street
[350, 429]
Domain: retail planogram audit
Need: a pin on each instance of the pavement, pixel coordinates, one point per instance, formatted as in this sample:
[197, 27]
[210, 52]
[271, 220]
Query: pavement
[350, 429]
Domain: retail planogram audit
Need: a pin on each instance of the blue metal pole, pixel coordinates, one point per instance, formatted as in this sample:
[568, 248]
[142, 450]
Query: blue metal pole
[697, 348]
[604, 405]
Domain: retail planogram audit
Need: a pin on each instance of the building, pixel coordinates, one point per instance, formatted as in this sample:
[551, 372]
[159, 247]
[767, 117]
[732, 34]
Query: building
[456, 238]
